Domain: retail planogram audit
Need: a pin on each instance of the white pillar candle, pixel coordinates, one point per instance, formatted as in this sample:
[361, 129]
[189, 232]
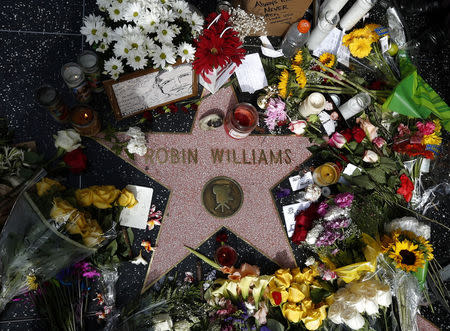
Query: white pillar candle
[355, 105]
[355, 13]
[334, 5]
[312, 105]
[327, 22]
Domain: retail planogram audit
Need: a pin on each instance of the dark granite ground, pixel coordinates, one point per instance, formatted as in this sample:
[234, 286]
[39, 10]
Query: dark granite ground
[38, 37]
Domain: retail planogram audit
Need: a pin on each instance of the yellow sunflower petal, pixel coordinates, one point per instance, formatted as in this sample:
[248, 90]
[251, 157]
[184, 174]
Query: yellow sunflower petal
[282, 85]
[360, 47]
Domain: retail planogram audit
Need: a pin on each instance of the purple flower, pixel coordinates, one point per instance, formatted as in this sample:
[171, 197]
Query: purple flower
[335, 251]
[338, 224]
[322, 210]
[91, 274]
[344, 200]
[275, 112]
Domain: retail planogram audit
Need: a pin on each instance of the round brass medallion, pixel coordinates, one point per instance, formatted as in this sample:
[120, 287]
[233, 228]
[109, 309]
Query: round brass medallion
[222, 197]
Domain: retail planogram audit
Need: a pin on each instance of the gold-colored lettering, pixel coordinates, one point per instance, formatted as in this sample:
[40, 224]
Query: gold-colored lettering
[174, 157]
[166, 155]
[262, 156]
[275, 158]
[287, 159]
[184, 156]
[192, 154]
[254, 156]
[234, 158]
[217, 155]
[243, 158]
[150, 155]
[228, 156]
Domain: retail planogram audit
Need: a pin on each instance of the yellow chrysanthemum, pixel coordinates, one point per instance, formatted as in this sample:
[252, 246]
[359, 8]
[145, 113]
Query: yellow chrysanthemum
[282, 85]
[432, 139]
[429, 249]
[32, 283]
[328, 60]
[298, 58]
[437, 126]
[406, 256]
[372, 26]
[360, 47]
[300, 76]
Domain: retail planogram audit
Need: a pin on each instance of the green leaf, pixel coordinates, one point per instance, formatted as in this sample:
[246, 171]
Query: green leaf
[352, 145]
[32, 157]
[393, 181]
[388, 164]
[363, 181]
[314, 148]
[274, 325]
[131, 156]
[377, 174]
[318, 294]
[112, 248]
[130, 235]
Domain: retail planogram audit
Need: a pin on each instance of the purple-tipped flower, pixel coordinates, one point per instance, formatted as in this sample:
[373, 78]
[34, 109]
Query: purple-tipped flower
[275, 113]
[337, 140]
[344, 200]
[322, 210]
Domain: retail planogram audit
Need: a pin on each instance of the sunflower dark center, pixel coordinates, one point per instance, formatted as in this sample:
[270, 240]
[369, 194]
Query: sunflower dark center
[214, 50]
[408, 257]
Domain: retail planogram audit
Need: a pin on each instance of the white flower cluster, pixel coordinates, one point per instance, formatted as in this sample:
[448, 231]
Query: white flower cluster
[137, 143]
[358, 298]
[68, 140]
[247, 24]
[314, 233]
[409, 223]
[147, 33]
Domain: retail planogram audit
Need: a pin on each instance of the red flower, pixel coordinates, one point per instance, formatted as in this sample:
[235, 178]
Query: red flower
[347, 133]
[412, 149]
[148, 116]
[76, 161]
[276, 297]
[173, 108]
[222, 237]
[407, 188]
[303, 223]
[358, 134]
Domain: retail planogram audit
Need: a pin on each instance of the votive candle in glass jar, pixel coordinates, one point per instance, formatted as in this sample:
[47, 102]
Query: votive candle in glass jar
[355, 13]
[326, 174]
[327, 22]
[74, 78]
[50, 99]
[241, 120]
[226, 256]
[88, 61]
[355, 105]
[312, 105]
[85, 120]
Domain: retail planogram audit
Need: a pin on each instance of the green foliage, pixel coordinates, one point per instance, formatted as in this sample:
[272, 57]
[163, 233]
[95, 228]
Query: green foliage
[318, 294]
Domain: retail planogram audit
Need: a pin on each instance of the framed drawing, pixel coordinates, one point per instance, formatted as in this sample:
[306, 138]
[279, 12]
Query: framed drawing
[139, 91]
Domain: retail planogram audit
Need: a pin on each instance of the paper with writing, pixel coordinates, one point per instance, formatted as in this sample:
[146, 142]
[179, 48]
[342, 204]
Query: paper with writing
[250, 74]
[289, 213]
[137, 216]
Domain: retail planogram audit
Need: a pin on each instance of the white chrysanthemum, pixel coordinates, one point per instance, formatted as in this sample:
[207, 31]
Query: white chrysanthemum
[149, 22]
[132, 12]
[126, 31]
[113, 65]
[122, 48]
[167, 14]
[102, 48]
[136, 41]
[163, 56]
[107, 35]
[181, 7]
[196, 22]
[164, 33]
[93, 28]
[175, 28]
[103, 5]
[115, 75]
[186, 52]
[116, 11]
[137, 59]
[149, 45]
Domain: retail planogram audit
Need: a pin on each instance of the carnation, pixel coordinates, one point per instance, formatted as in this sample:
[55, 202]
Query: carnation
[344, 200]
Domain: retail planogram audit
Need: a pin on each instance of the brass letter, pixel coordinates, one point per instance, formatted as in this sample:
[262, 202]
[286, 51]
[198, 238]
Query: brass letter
[150, 154]
[262, 156]
[166, 155]
[275, 158]
[243, 157]
[217, 155]
[234, 158]
[288, 159]
[192, 154]
[174, 158]
[254, 156]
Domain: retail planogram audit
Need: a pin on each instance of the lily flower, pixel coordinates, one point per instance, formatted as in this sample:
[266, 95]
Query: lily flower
[147, 245]
[139, 259]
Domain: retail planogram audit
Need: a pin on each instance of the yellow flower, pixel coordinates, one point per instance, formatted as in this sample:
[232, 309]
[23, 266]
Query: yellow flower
[313, 319]
[360, 47]
[127, 199]
[76, 224]
[432, 139]
[104, 196]
[307, 276]
[61, 210]
[358, 33]
[283, 278]
[32, 283]
[92, 234]
[372, 26]
[282, 85]
[328, 60]
[298, 58]
[46, 184]
[437, 126]
[406, 256]
[85, 197]
[300, 76]
[277, 295]
[429, 249]
[296, 293]
[292, 312]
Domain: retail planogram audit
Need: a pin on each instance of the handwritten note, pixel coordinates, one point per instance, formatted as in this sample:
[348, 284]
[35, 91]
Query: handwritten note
[250, 74]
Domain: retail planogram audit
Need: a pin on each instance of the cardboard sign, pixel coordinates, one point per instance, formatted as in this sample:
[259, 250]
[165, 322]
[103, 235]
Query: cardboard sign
[279, 14]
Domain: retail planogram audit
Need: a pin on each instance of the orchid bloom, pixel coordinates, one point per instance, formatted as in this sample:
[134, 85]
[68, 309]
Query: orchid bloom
[154, 217]
[99, 299]
[147, 245]
[151, 223]
[139, 259]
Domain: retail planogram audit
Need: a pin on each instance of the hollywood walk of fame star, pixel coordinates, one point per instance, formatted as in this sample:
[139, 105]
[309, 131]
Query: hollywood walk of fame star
[172, 162]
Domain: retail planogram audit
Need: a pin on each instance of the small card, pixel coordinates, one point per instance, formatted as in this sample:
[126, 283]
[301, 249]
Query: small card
[250, 74]
[327, 123]
[333, 44]
[137, 216]
[298, 182]
[384, 43]
[267, 48]
[289, 213]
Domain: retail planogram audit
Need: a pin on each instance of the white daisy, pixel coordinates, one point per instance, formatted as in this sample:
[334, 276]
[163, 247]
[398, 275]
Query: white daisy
[133, 11]
[196, 23]
[103, 5]
[164, 33]
[181, 7]
[93, 28]
[186, 52]
[122, 48]
[107, 35]
[115, 75]
[149, 21]
[126, 30]
[116, 11]
[137, 41]
[149, 45]
[166, 14]
[175, 28]
[102, 48]
[163, 56]
[137, 60]
[113, 65]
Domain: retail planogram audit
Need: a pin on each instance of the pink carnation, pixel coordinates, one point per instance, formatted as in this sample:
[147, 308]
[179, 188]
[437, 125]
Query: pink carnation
[426, 128]
[379, 142]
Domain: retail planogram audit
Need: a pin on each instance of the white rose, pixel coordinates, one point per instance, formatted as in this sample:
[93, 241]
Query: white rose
[313, 193]
[335, 311]
[352, 318]
[182, 326]
[310, 260]
[384, 297]
[370, 156]
[137, 147]
[313, 234]
[68, 140]
[370, 306]
[162, 322]
[134, 132]
[355, 300]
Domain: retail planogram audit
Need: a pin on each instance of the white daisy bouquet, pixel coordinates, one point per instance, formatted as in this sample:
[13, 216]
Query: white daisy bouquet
[142, 33]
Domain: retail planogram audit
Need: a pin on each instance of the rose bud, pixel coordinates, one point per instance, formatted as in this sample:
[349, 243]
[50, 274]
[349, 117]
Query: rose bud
[369, 128]
[379, 142]
[298, 127]
[337, 140]
[370, 156]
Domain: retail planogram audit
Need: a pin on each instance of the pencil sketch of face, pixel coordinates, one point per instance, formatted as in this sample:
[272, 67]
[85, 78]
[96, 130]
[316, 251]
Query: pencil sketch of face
[175, 82]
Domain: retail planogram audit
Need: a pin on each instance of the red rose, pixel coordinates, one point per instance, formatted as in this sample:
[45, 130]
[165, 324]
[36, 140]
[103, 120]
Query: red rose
[358, 134]
[75, 160]
[347, 133]
[222, 237]
[299, 235]
[407, 188]
[148, 115]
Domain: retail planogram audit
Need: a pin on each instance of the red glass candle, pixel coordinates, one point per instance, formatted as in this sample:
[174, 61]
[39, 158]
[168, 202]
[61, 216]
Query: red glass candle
[226, 256]
[85, 120]
[241, 120]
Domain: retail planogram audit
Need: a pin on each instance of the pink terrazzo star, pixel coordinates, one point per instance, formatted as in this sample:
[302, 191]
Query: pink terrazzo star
[186, 221]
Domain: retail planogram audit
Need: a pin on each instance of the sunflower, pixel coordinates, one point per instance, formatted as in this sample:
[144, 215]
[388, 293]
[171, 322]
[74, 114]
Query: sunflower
[372, 26]
[386, 243]
[360, 47]
[426, 247]
[328, 60]
[282, 85]
[406, 256]
[300, 76]
[298, 58]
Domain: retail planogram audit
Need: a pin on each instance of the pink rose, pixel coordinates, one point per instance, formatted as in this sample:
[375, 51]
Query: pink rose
[298, 127]
[369, 128]
[425, 128]
[370, 156]
[337, 140]
[379, 142]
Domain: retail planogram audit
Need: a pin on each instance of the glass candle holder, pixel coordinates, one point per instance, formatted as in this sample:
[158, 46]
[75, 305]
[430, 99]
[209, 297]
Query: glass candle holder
[334, 5]
[355, 13]
[355, 105]
[88, 61]
[49, 98]
[241, 120]
[312, 105]
[326, 174]
[85, 120]
[226, 256]
[73, 76]
[327, 22]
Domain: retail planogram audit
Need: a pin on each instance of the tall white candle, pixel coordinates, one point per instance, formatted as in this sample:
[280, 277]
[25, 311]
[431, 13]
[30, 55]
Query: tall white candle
[334, 5]
[327, 22]
[355, 105]
[355, 13]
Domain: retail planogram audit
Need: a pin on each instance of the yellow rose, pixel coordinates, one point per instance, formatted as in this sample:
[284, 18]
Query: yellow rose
[92, 241]
[307, 276]
[92, 234]
[432, 139]
[46, 184]
[313, 319]
[85, 197]
[292, 312]
[127, 199]
[278, 296]
[283, 277]
[295, 293]
[61, 210]
[76, 224]
[104, 196]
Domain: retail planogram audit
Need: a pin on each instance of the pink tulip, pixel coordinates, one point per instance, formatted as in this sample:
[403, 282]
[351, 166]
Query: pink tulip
[337, 140]
[298, 127]
[379, 142]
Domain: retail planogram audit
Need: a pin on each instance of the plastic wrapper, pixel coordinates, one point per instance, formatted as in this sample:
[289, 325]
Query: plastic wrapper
[396, 29]
[109, 277]
[431, 197]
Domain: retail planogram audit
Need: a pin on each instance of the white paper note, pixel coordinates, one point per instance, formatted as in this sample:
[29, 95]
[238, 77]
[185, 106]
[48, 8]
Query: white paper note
[137, 216]
[333, 44]
[289, 213]
[299, 182]
[267, 48]
[250, 74]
